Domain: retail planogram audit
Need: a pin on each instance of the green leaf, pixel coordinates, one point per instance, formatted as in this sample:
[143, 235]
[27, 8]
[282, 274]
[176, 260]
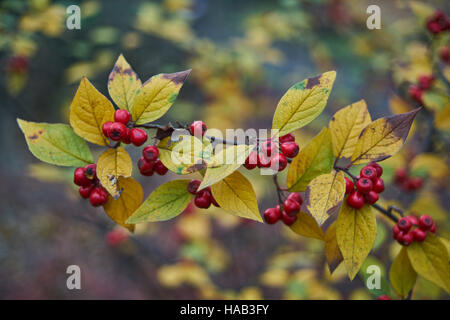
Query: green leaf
[56, 144]
[166, 202]
[302, 103]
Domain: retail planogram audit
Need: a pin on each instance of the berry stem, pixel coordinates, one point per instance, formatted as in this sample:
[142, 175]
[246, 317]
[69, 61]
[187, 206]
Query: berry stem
[279, 189]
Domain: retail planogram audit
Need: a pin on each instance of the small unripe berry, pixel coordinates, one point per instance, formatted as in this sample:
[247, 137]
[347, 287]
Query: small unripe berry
[122, 116]
[138, 136]
[286, 138]
[425, 222]
[90, 171]
[378, 168]
[364, 185]
[369, 172]
[289, 149]
[404, 224]
[378, 186]
[98, 197]
[193, 186]
[198, 128]
[160, 168]
[291, 207]
[268, 148]
[288, 219]
[85, 192]
[80, 179]
[272, 215]
[419, 235]
[355, 200]
[105, 128]
[117, 131]
[371, 197]
[296, 197]
[349, 187]
[252, 160]
[150, 153]
[278, 161]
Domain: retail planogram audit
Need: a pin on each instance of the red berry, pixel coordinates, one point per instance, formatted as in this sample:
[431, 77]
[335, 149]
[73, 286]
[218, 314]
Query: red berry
[433, 228]
[378, 186]
[400, 175]
[377, 167]
[407, 238]
[252, 160]
[203, 199]
[272, 215]
[444, 54]
[286, 138]
[414, 183]
[296, 197]
[414, 221]
[160, 168]
[150, 153]
[425, 222]
[364, 185]
[105, 128]
[355, 200]
[98, 197]
[384, 297]
[395, 231]
[291, 207]
[198, 128]
[138, 136]
[117, 131]
[193, 186]
[80, 179]
[288, 219]
[349, 187]
[425, 82]
[415, 93]
[268, 148]
[438, 22]
[371, 197]
[214, 202]
[419, 235]
[85, 191]
[289, 149]
[127, 138]
[278, 162]
[17, 64]
[404, 224]
[90, 171]
[122, 116]
[264, 161]
[145, 166]
[369, 172]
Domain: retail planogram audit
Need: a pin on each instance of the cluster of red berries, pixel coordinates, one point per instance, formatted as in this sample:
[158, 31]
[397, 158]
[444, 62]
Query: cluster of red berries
[203, 198]
[17, 64]
[424, 83]
[291, 206]
[89, 184]
[368, 185]
[409, 229]
[438, 22]
[150, 163]
[405, 182]
[272, 156]
[119, 129]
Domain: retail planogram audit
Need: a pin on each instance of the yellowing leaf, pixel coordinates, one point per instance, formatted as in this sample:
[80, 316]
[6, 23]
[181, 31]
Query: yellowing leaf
[302, 103]
[355, 232]
[306, 226]
[314, 159]
[225, 163]
[55, 143]
[345, 127]
[332, 252]
[433, 164]
[442, 119]
[166, 202]
[235, 195]
[157, 95]
[430, 260]
[112, 164]
[402, 275]
[130, 199]
[123, 83]
[324, 195]
[88, 111]
[383, 138]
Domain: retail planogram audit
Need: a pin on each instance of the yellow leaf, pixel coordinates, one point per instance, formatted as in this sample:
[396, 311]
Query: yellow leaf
[235, 195]
[314, 159]
[166, 202]
[130, 199]
[383, 138]
[430, 260]
[355, 232]
[123, 83]
[88, 111]
[324, 195]
[157, 95]
[433, 164]
[332, 252]
[345, 127]
[112, 164]
[302, 103]
[442, 119]
[306, 226]
[402, 275]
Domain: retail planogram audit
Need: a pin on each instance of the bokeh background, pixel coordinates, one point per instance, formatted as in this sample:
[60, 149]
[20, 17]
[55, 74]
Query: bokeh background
[244, 56]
